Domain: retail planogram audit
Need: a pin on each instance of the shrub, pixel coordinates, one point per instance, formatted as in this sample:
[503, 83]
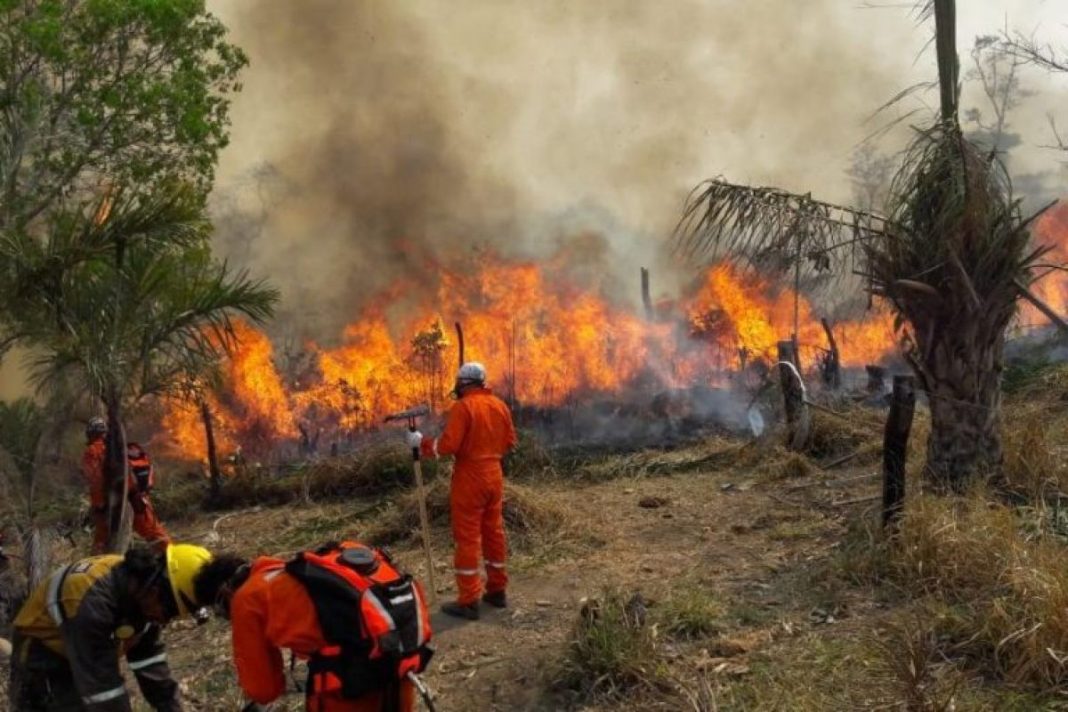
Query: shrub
[611, 650]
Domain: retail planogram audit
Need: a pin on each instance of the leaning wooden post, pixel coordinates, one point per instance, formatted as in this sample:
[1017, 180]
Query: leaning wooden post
[793, 393]
[895, 447]
[647, 299]
[832, 374]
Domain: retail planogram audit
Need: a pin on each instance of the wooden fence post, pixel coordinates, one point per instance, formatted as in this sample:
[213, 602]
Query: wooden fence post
[793, 394]
[895, 447]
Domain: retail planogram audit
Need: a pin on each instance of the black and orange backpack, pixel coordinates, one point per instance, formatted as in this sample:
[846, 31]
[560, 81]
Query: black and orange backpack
[373, 615]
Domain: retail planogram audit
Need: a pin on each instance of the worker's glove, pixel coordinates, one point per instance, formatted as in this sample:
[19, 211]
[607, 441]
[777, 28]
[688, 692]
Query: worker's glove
[414, 439]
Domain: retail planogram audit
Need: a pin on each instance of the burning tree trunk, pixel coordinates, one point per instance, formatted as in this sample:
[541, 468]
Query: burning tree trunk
[793, 393]
[213, 455]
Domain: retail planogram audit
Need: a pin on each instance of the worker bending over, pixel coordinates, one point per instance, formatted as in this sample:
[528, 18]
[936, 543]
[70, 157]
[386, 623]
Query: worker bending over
[361, 624]
[72, 630]
[478, 433]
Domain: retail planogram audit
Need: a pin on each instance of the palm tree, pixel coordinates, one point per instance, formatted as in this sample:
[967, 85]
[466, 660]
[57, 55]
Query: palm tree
[951, 256]
[128, 299]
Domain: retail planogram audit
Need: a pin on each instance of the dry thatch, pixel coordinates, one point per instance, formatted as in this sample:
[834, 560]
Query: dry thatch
[532, 518]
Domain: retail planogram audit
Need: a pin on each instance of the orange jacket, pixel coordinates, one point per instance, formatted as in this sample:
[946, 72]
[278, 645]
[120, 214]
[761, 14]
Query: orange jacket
[93, 471]
[271, 611]
[478, 431]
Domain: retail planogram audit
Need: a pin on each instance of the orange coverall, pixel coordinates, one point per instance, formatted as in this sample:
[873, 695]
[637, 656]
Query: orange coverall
[270, 611]
[145, 522]
[478, 432]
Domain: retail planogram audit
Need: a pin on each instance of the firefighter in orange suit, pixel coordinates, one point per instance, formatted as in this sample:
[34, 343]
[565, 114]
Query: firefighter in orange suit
[478, 433]
[269, 610]
[94, 462]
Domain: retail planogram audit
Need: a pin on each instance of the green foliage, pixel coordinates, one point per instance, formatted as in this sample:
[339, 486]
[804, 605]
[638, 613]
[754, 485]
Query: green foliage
[133, 305]
[691, 612]
[21, 426]
[611, 650]
[128, 92]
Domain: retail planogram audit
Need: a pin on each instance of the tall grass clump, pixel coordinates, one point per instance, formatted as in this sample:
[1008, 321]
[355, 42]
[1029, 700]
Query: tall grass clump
[611, 650]
[1006, 589]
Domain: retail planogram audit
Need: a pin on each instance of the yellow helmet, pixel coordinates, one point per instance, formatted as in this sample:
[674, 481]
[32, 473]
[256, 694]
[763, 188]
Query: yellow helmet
[184, 562]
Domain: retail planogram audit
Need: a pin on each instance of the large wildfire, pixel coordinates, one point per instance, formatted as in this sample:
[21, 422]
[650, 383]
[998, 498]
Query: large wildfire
[546, 341]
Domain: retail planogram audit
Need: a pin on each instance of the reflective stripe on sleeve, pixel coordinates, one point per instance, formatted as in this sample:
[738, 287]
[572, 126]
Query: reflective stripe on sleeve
[142, 664]
[466, 572]
[419, 615]
[54, 595]
[104, 696]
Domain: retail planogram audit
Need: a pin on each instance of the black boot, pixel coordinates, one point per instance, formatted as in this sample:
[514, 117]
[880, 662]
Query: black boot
[497, 599]
[457, 610]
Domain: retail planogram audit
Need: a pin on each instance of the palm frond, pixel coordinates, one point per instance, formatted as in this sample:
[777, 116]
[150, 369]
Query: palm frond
[769, 227]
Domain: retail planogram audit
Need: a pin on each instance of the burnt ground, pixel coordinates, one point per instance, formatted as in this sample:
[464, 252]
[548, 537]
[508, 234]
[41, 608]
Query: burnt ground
[760, 548]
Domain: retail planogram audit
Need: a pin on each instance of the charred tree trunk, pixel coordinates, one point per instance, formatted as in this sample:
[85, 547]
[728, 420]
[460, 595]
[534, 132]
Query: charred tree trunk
[958, 363]
[213, 456]
[965, 405]
[793, 393]
[832, 367]
[647, 299]
[116, 478]
[895, 447]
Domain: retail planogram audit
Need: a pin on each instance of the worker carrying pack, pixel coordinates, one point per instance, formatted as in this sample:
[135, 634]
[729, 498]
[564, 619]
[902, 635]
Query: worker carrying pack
[142, 474]
[373, 616]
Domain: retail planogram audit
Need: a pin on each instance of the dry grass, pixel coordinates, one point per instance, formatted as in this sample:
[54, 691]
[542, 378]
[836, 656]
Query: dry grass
[836, 436]
[369, 472]
[532, 518]
[1006, 588]
[1034, 462]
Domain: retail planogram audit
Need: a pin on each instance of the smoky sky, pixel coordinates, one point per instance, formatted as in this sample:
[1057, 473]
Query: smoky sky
[374, 141]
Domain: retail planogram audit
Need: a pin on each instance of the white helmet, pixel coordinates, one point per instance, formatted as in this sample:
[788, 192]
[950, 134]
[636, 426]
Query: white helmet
[470, 373]
[96, 426]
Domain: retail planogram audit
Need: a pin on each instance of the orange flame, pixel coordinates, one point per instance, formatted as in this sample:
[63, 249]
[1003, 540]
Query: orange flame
[544, 340]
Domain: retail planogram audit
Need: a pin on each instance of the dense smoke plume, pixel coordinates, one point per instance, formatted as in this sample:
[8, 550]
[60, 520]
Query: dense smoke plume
[400, 134]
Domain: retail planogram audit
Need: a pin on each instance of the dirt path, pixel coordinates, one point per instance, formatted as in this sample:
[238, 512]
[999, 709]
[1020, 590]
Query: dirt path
[747, 543]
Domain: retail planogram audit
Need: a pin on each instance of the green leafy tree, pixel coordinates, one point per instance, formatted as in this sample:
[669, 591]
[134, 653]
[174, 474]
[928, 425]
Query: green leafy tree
[131, 305]
[108, 92]
[22, 424]
[951, 255]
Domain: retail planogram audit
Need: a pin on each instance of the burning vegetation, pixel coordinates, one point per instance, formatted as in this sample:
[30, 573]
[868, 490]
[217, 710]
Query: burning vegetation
[547, 341]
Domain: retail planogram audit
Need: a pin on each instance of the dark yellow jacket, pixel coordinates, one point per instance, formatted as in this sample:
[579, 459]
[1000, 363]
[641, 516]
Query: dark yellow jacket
[82, 613]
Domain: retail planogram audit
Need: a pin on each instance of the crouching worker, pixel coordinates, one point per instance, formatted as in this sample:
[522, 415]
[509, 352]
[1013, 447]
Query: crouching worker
[72, 630]
[361, 624]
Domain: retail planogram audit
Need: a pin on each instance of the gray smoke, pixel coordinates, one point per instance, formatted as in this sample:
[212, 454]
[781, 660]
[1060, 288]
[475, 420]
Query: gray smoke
[403, 134]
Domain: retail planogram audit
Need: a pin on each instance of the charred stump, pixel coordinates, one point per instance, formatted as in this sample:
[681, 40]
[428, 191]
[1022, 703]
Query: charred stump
[647, 299]
[213, 455]
[895, 447]
[876, 379]
[798, 421]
